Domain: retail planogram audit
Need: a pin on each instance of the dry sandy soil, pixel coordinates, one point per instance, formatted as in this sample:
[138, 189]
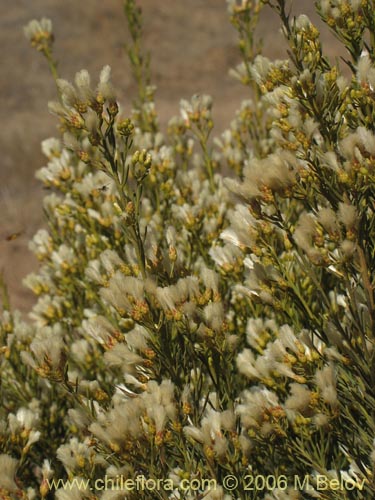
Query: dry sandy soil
[193, 46]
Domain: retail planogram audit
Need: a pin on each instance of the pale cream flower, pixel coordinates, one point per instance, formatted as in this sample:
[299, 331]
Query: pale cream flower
[326, 382]
[8, 467]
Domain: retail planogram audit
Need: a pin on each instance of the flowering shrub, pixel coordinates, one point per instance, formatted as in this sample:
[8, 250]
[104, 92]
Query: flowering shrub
[192, 327]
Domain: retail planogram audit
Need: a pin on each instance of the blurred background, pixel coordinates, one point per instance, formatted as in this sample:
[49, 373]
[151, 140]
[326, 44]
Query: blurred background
[192, 47]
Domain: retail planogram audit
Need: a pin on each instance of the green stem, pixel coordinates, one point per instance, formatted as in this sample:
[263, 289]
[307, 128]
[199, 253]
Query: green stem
[207, 160]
